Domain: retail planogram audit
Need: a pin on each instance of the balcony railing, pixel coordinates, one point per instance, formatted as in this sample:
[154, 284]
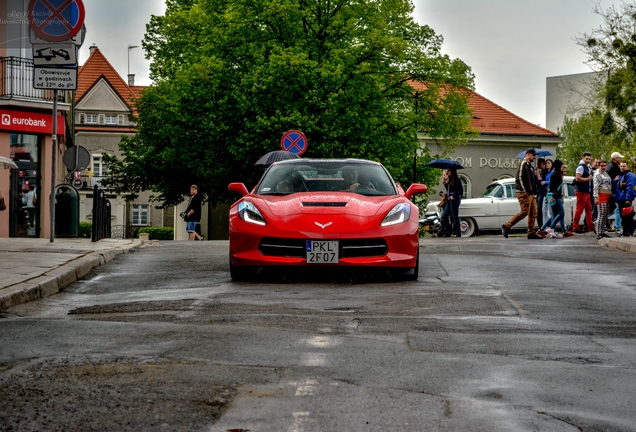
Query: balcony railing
[16, 80]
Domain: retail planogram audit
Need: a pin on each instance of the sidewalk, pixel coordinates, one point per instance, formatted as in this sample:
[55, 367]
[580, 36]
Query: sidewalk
[32, 268]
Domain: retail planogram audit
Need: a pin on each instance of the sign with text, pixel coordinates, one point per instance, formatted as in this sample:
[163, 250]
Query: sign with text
[55, 78]
[24, 121]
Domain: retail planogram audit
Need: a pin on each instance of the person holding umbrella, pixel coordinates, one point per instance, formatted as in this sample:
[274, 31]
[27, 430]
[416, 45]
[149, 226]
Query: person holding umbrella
[525, 185]
[454, 190]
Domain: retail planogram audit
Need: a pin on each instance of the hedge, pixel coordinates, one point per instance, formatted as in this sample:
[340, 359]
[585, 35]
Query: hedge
[86, 229]
[158, 233]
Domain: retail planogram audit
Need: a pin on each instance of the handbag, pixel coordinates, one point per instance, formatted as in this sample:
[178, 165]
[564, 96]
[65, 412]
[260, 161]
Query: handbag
[184, 216]
[627, 211]
[443, 202]
[552, 196]
[3, 206]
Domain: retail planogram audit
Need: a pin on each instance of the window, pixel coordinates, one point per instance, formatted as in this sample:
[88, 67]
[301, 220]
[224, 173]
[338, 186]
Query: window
[91, 118]
[111, 119]
[140, 214]
[467, 186]
[100, 170]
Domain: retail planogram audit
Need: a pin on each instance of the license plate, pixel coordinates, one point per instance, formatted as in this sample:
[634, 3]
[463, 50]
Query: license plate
[427, 228]
[322, 252]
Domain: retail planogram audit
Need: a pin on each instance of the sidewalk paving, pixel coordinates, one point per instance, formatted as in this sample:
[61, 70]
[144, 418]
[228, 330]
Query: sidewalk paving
[34, 268]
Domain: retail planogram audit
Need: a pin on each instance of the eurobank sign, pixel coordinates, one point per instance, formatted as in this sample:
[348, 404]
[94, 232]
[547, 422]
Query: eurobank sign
[30, 122]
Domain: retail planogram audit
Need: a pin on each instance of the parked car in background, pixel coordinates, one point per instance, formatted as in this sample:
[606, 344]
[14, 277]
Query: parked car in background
[497, 205]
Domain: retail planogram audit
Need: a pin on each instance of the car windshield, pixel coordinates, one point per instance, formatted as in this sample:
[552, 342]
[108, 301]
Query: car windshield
[494, 190]
[326, 176]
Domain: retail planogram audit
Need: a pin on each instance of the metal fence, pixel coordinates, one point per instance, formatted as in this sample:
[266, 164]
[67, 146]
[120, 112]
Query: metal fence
[16, 80]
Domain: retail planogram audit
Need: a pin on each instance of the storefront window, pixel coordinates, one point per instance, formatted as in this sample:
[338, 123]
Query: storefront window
[25, 200]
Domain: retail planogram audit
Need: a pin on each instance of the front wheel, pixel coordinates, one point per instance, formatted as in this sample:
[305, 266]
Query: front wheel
[242, 273]
[467, 227]
[413, 274]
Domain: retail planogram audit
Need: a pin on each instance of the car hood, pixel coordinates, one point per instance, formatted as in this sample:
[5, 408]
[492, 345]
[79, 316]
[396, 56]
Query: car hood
[345, 204]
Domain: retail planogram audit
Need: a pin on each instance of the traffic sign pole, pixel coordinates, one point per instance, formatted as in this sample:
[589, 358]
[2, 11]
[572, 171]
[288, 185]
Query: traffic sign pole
[53, 158]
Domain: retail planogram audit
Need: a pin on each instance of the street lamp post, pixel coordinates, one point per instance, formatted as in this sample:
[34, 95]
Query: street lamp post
[129, 48]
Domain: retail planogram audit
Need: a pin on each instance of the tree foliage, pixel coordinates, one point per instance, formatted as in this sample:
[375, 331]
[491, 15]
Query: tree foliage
[611, 50]
[231, 76]
[585, 134]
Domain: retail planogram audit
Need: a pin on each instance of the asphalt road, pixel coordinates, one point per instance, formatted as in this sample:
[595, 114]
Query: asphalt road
[496, 335]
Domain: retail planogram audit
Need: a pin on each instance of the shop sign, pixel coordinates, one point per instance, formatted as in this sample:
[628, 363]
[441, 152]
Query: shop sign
[30, 122]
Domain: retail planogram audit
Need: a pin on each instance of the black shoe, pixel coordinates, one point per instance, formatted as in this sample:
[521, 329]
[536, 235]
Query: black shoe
[457, 235]
[534, 236]
[602, 235]
[505, 231]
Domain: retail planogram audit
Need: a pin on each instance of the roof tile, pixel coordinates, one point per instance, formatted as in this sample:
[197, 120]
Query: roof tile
[493, 119]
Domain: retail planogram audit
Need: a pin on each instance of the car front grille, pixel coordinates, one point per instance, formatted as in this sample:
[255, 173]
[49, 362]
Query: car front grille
[356, 248]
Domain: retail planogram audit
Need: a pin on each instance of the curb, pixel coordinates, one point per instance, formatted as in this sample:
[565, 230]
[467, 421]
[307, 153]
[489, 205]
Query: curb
[56, 280]
[618, 244]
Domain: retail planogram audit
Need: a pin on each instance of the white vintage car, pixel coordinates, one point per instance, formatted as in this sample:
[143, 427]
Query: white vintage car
[498, 204]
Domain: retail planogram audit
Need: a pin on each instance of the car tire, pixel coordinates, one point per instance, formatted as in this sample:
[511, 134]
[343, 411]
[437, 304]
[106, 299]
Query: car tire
[242, 273]
[467, 226]
[413, 274]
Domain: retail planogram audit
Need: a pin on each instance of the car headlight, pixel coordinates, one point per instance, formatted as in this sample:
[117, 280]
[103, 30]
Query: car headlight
[249, 213]
[398, 214]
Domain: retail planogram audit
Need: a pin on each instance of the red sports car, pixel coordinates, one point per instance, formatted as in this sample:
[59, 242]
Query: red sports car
[324, 212]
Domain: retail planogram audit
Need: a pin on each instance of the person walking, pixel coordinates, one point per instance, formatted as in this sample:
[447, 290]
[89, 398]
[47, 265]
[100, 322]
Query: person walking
[540, 173]
[545, 184]
[614, 171]
[525, 185]
[625, 198]
[583, 201]
[554, 199]
[444, 206]
[454, 192]
[193, 214]
[602, 193]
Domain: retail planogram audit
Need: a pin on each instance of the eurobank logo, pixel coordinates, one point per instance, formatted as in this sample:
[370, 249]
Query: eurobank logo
[34, 122]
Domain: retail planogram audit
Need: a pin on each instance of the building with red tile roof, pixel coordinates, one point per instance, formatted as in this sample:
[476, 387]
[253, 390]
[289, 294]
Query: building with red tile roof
[492, 154]
[104, 111]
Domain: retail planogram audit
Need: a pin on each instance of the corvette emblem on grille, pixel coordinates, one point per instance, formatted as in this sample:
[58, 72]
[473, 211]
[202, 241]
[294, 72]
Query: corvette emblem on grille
[323, 226]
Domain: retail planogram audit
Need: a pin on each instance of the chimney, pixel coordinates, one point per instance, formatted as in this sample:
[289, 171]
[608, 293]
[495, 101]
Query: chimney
[92, 48]
[131, 79]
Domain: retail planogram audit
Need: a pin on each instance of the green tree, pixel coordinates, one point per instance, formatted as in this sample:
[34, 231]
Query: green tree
[584, 135]
[231, 76]
[611, 51]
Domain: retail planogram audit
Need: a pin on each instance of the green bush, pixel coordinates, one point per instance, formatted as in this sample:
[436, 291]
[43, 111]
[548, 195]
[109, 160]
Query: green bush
[85, 229]
[158, 233]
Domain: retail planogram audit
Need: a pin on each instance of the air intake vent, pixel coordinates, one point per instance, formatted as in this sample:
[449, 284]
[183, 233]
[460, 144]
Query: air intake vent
[324, 204]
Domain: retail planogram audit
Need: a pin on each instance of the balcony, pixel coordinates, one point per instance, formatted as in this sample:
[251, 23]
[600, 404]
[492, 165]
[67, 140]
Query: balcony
[16, 81]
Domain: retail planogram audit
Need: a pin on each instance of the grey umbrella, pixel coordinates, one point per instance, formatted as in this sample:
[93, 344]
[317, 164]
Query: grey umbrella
[6, 163]
[275, 156]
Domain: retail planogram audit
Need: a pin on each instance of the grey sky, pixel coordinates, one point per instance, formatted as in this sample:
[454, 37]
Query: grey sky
[511, 45]
[514, 45]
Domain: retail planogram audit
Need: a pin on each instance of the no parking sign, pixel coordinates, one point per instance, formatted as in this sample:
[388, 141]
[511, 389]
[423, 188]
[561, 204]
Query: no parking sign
[56, 20]
[294, 141]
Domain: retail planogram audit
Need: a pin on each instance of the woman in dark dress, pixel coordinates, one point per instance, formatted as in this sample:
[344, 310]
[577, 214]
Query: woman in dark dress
[454, 192]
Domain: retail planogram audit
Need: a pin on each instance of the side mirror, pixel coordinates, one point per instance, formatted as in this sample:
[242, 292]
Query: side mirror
[414, 189]
[238, 188]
